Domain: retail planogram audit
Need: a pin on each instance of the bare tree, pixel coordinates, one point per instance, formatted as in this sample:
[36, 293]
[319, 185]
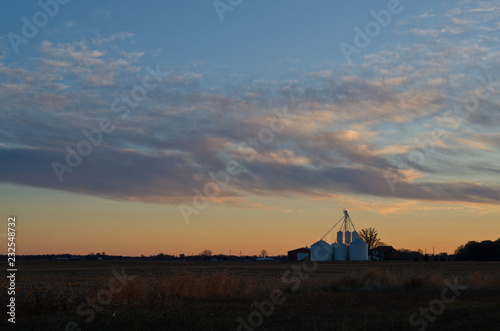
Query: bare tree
[370, 236]
[206, 252]
[263, 253]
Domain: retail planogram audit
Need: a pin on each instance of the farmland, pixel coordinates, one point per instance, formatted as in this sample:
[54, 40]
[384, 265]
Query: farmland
[147, 295]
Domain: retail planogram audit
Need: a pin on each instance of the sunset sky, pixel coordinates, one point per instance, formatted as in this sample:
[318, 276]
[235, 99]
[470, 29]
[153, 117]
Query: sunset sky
[178, 126]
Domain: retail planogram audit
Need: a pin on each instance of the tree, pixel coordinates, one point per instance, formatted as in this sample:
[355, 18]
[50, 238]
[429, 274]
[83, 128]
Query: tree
[206, 252]
[370, 236]
[486, 250]
[263, 253]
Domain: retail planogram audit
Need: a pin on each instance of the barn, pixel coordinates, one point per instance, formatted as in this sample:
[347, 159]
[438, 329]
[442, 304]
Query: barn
[299, 254]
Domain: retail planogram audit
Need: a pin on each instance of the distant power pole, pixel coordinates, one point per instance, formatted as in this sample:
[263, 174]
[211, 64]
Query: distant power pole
[229, 252]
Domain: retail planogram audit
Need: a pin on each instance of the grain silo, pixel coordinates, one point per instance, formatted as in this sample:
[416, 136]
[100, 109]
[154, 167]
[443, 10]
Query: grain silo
[348, 245]
[340, 237]
[347, 237]
[358, 250]
[339, 252]
[321, 251]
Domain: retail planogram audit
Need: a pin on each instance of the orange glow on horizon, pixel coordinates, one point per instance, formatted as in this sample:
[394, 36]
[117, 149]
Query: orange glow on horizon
[80, 225]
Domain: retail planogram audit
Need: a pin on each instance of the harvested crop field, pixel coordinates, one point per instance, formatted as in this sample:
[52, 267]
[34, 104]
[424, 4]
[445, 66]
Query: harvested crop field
[147, 295]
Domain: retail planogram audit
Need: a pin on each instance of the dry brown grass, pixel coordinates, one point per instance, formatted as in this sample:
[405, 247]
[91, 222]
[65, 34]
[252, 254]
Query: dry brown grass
[156, 291]
[374, 279]
[39, 295]
[212, 295]
[481, 280]
[167, 290]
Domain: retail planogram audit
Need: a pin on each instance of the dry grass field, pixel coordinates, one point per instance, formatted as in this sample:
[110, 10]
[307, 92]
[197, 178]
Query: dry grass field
[146, 295]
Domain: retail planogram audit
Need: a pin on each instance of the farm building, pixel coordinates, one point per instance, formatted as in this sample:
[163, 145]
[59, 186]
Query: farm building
[321, 251]
[299, 254]
[358, 250]
[348, 246]
[384, 253]
[339, 251]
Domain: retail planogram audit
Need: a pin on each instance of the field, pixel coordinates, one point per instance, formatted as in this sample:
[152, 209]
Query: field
[146, 295]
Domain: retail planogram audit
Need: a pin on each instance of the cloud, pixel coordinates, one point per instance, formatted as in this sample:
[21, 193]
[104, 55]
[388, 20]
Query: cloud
[56, 63]
[101, 13]
[150, 179]
[78, 53]
[123, 35]
[350, 127]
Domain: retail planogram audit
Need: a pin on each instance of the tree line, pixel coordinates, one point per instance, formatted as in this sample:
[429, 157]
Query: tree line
[486, 250]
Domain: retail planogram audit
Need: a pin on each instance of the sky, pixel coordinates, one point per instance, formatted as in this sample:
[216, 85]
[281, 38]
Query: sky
[237, 126]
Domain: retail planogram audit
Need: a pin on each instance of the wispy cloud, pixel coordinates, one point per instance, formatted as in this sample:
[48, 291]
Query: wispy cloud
[351, 124]
[123, 35]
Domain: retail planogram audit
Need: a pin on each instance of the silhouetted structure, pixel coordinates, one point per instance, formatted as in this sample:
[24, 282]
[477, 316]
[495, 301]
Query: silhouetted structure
[385, 253]
[299, 254]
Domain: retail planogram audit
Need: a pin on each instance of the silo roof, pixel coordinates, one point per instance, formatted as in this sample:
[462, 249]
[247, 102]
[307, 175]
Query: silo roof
[358, 241]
